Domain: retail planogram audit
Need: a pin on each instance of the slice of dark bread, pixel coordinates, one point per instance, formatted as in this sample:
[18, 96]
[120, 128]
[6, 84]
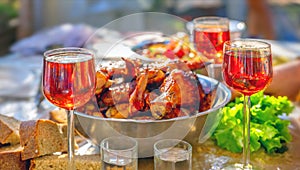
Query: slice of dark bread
[9, 128]
[41, 137]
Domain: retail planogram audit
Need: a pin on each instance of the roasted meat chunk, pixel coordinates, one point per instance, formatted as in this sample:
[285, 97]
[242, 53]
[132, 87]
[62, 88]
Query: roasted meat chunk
[155, 78]
[137, 97]
[179, 89]
[119, 93]
[102, 82]
[119, 111]
[128, 71]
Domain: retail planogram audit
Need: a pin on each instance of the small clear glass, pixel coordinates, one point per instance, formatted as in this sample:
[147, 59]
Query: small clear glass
[172, 154]
[119, 152]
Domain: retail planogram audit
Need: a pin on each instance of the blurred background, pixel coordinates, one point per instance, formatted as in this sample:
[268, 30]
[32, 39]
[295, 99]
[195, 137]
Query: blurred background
[269, 19]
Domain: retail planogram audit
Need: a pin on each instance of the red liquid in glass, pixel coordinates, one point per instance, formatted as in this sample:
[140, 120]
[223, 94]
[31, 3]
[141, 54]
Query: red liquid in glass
[210, 42]
[247, 74]
[68, 85]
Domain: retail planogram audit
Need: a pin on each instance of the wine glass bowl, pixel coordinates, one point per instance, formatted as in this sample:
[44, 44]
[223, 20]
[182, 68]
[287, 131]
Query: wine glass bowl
[68, 80]
[247, 65]
[209, 35]
[247, 68]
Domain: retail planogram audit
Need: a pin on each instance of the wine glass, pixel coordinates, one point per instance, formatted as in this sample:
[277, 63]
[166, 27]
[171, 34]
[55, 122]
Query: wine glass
[209, 35]
[69, 82]
[247, 68]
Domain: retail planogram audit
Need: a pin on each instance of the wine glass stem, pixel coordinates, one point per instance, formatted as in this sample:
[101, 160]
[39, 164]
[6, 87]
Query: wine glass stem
[211, 71]
[246, 133]
[70, 133]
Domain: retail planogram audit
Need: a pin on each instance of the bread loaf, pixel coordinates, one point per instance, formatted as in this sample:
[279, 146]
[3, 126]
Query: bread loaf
[41, 137]
[59, 162]
[9, 128]
[10, 158]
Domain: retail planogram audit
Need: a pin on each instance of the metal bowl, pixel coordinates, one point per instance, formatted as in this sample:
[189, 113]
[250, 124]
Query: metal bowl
[147, 132]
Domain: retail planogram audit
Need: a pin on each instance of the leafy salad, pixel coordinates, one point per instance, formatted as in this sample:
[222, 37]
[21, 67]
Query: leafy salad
[267, 129]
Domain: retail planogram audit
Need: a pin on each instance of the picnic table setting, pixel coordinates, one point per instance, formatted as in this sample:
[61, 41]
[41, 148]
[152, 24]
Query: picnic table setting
[150, 91]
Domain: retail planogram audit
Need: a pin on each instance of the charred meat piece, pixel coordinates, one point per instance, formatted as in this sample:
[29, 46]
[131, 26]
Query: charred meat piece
[150, 96]
[179, 89]
[102, 82]
[118, 93]
[119, 111]
[137, 97]
[155, 78]
[206, 99]
[128, 72]
[160, 106]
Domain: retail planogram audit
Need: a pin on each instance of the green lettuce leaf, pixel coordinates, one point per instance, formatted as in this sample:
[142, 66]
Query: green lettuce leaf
[267, 129]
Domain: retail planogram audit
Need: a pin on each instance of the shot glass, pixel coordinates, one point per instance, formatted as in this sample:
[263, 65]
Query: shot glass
[172, 154]
[119, 153]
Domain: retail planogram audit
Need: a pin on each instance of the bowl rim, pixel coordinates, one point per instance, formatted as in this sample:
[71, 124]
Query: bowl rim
[222, 104]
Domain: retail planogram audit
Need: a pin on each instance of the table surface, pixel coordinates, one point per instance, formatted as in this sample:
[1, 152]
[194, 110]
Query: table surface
[209, 156]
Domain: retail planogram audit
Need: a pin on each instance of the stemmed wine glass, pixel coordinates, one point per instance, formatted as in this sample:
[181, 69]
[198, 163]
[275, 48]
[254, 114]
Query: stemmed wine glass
[69, 82]
[247, 68]
[209, 35]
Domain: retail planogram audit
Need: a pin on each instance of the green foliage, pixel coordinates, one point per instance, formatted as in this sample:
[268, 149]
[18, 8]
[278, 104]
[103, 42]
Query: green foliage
[267, 129]
[7, 12]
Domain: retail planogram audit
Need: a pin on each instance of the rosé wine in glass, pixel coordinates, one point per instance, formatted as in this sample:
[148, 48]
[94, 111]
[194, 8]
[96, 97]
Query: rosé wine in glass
[69, 81]
[247, 68]
[209, 35]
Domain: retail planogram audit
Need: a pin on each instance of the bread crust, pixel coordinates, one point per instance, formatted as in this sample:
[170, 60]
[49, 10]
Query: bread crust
[59, 162]
[9, 128]
[10, 158]
[41, 137]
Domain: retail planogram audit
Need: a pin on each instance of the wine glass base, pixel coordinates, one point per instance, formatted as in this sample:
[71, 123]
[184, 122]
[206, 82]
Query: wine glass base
[238, 166]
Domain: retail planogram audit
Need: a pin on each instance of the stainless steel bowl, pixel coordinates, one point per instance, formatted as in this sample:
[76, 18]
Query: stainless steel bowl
[147, 132]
